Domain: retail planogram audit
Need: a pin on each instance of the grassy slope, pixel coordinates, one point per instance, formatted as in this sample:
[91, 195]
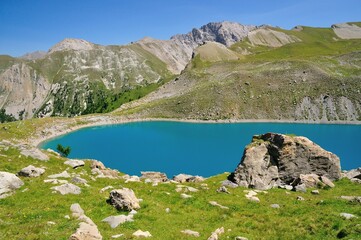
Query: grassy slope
[26, 213]
[279, 78]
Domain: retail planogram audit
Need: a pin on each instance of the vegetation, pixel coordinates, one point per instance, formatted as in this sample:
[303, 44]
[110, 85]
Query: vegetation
[64, 151]
[6, 117]
[26, 214]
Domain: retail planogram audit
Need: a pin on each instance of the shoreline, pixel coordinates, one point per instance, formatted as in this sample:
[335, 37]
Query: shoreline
[95, 121]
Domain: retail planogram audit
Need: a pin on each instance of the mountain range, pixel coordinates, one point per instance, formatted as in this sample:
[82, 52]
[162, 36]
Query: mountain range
[221, 70]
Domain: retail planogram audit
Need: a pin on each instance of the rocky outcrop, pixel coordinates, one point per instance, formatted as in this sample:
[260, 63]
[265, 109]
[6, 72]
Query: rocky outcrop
[354, 175]
[154, 176]
[275, 159]
[34, 55]
[347, 30]
[181, 178]
[33, 153]
[123, 199]
[8, 183]
[74, 163]
[114, 221]
[31, 171]
[98, 169]
[87, 229]
[67, 188]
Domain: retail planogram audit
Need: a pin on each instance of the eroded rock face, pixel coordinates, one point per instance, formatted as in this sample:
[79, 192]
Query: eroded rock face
[124, 199]
[276, 159]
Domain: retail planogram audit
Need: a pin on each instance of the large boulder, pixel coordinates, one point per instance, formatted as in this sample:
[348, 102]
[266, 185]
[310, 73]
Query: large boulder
[124, 199]
[275, 159]
[154, 176]
[8, 183]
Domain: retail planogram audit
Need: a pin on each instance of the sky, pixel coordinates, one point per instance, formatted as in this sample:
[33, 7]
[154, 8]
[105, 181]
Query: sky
[30, 25]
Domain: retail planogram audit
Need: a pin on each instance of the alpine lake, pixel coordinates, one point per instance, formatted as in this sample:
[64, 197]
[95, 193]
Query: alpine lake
[204, 149]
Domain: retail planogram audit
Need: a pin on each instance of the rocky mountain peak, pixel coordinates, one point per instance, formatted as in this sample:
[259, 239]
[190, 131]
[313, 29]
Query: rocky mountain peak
[226, 33]
[72, 44]
[34, 55]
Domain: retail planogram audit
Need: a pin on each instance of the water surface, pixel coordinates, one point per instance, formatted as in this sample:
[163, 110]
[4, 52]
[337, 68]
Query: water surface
[204, 149]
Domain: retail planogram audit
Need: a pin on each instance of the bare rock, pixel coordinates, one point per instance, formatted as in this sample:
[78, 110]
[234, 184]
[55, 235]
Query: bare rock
[275, 159]
[275, 206]
[67, 188]
[140, 233]
[185, 196]
[354, 175]
[31, 171]
[79, 180]
[34, 153]
[114, 221]
[181, 178]
[118, 235]
[309, 180]
[240, 238]
[64, 174]
[223, 189]
[299, 198]
[315, 192]
[87, 229]
[97, 164]
[356, 199]
[215, 235]
[154, 176]
[347, 215]
[214, 203]
[74, 163]
[327, 182]
[124, 199]
[190, 233]
[133, 178]
[230, 184]
[8, 183]
[300, 188]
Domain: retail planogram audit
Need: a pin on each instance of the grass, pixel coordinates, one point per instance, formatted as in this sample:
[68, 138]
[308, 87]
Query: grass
[26, 213]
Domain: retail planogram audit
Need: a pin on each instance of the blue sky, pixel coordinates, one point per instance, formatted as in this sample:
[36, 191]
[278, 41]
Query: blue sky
[26, 26]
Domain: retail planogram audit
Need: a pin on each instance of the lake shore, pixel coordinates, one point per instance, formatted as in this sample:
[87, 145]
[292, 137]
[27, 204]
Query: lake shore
[93, 121]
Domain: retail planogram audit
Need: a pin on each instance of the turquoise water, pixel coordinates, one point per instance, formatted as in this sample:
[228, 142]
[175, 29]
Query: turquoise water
[204, 149]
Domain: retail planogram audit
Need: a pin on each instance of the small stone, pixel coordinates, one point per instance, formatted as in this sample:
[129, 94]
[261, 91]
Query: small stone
[275, 206]
[347, 216]
[167, 210]
[192, 189]
[75, 163]
[114, 221]
[79, 180]
[230, 184]
[315, 192]
[223, 189]
[133, 212]
[214, 203]
[67, 188]
[64, 174]
[241, 238]
[301, 188]
[185, 196]
[288, 187]
[216, 233]
[190, 233]
[253, 199]
[50, 223]
[352, 198]
[118, 236]
[31, 171]
[67, 217]
[140, 233]
[299, 198]
[105, 188]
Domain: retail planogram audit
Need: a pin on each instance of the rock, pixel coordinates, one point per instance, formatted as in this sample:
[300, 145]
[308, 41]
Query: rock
[327, 182]
[106, 188]
[299, 198]
[181, 178]
[214, 203]
[227, 183]
[190, 233]
[240, 238]
[140, 233]
[55, 181]
[288, 187]
[8, 183]
[128, 178]
[167, 210]
[275, 206]
[216, 233]
[352, 198]
[117, 235]
[97, 164]
[309, 180]
[251, 193]
[105, 173]
[192, 189]
[154, 176]
[124, 199]
[79, 180]
[114, 221]
[67, 188]
[347, 215]
[34, 153]
[133, 212]
[315, 192]
[64, 174]
[275, 159]
[223, 189]
[253, 199]
[300, 188]
[75, 163]
[67, 217]
[185, 196]
[87, 228]
[354, 175]
[31, 171]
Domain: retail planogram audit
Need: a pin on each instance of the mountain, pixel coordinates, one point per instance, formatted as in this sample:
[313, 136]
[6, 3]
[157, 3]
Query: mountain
[218, 71]
[34, 55]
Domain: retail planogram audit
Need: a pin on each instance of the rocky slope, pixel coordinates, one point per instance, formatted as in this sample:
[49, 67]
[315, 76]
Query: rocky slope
[226, 70]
